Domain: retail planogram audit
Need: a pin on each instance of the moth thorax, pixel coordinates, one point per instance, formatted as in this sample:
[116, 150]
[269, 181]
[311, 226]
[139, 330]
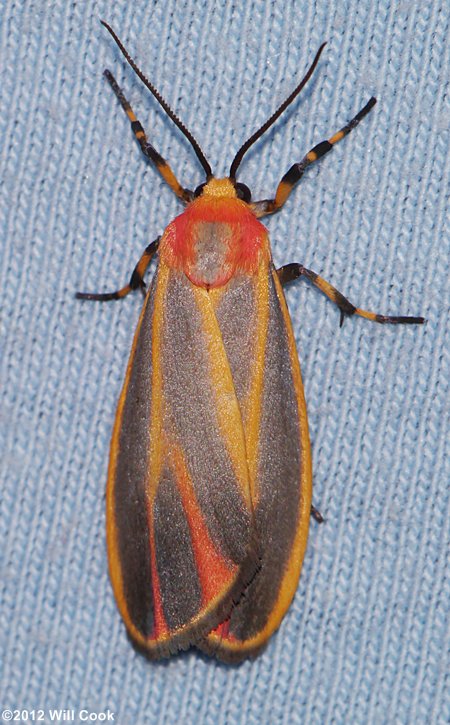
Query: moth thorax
[212, 263]
[213, 240]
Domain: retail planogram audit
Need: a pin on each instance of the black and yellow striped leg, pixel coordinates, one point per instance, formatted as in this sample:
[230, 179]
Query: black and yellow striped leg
[147, 149]
[295, 173]
[136, 280]
[291, 272]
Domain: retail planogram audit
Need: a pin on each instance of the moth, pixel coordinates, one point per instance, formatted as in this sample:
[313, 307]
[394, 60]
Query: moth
[209, 483]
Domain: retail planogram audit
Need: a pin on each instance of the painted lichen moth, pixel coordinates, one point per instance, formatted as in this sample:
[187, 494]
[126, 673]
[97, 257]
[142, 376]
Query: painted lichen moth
[209, 483]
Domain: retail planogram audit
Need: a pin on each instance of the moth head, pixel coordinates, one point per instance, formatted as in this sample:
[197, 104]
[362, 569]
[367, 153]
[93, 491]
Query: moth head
[224, 187]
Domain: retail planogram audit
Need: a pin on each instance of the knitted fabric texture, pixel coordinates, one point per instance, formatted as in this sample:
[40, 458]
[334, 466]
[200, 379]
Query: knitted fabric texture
[366, 638]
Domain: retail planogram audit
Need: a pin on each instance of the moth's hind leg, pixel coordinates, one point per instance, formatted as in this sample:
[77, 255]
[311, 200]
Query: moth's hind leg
[317, 516]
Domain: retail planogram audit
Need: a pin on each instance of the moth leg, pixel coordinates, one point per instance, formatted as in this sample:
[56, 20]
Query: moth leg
[291, 272]
[136, 279]
[295, 173]
[317, 516]
[147, 149]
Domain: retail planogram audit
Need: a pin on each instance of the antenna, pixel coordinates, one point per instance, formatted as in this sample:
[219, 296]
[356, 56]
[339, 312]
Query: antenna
[245, 147]
[162, 102]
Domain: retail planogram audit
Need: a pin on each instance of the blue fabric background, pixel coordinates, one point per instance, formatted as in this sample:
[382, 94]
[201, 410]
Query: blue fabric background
[366, 638]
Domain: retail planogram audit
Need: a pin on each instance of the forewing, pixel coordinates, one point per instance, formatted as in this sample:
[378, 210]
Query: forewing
[273, 409]
[180, 524]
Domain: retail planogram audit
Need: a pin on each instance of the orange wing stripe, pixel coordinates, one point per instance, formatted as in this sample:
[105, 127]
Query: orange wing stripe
[160, 629]
[213, 570]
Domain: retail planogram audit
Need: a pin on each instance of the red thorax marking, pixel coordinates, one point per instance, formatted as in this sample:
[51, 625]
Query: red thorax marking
[214, 239]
